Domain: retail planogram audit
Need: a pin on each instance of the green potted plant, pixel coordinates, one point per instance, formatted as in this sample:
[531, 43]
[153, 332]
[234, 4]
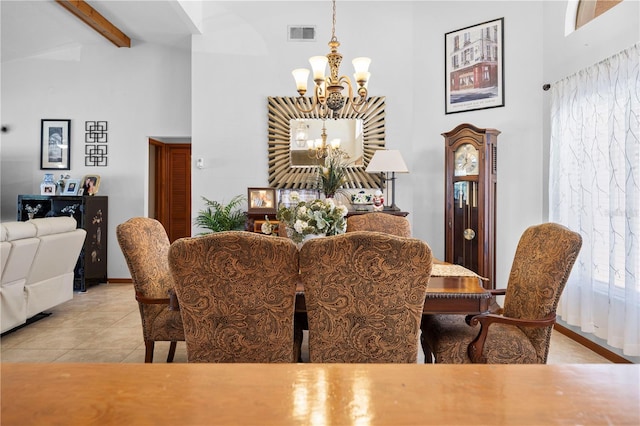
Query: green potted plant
[334, 172]
[218, 217]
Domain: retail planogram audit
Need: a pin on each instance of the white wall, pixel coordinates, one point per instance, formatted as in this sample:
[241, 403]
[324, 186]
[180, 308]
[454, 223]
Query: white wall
[142, 91]
[243, 57]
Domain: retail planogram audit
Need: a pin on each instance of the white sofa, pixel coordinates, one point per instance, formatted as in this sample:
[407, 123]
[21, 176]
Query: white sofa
[38, 259]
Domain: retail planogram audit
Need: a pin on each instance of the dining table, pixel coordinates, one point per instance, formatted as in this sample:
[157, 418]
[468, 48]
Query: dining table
[452, 289]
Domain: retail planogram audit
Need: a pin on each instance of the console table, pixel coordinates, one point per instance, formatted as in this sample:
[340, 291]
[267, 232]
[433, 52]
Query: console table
[255, 220]
[91, 214]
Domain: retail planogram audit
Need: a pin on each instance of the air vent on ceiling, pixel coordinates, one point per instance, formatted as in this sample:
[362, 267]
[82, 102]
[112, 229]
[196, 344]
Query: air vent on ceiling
[301, 33]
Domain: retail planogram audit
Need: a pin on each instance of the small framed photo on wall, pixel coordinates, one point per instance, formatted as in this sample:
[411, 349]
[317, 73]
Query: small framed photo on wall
[262, 200]
[474, 67]
[55, 144]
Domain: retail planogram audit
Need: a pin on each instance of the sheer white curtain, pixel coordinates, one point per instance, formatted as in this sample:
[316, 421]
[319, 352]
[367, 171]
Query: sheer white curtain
[595, 190]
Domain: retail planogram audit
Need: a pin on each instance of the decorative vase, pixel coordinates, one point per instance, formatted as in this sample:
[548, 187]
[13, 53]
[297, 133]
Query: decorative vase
[48, 185]
[311, 237]
[30, 215]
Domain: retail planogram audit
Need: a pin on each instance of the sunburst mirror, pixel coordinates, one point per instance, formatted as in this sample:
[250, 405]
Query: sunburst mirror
[290, 166]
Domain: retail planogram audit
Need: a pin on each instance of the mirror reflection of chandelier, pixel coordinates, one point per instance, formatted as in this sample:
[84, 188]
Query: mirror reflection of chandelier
[328, 97]
[319, 148]
[301, 134]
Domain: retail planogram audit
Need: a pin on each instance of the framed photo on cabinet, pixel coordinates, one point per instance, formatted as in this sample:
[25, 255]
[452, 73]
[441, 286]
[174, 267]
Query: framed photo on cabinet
[474, 67]
[90, 185]
[262, 200]
[72, 186]
[55, 144]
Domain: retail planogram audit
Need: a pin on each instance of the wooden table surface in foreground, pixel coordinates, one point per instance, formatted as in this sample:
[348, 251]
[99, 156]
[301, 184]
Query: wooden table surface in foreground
[323, 394]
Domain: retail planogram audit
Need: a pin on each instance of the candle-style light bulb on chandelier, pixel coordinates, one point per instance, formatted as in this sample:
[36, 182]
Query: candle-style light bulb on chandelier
[328, 98]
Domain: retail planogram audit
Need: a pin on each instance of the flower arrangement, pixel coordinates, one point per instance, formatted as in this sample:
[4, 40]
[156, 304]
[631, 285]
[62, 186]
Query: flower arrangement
[313, 217]
[33, 209]
[71, 209]
[333, 174]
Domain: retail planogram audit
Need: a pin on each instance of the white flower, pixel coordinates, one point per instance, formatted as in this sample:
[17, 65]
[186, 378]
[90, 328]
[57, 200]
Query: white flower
[266, 228]
[300, 225]
[313, 217]
[294, 196]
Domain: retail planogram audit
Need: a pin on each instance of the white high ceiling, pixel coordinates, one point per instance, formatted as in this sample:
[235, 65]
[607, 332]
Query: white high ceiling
[37, 27]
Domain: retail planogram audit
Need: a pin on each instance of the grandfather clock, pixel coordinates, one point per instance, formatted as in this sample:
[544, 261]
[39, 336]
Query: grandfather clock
[470, 199]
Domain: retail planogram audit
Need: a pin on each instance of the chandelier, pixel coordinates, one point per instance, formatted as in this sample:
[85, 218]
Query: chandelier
[316, 148]
[328, 97]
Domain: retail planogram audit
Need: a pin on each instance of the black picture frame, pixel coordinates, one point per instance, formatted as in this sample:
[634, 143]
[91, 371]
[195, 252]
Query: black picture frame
[474, 67]
[55, 144]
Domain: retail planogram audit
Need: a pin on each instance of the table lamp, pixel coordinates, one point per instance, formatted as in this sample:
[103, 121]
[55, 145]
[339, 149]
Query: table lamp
[388, 161]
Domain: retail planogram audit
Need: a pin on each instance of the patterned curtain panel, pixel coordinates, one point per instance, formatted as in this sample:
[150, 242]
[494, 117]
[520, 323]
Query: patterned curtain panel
[595, 190]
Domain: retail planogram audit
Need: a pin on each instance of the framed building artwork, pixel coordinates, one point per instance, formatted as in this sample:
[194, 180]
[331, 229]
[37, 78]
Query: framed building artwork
[474, 67]
[55, 144]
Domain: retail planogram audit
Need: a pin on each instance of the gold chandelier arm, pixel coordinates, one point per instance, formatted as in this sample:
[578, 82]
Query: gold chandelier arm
[359, 103]
[300, 101]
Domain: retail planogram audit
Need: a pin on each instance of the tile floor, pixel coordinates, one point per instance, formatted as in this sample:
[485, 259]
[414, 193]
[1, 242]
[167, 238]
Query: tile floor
[103, 325]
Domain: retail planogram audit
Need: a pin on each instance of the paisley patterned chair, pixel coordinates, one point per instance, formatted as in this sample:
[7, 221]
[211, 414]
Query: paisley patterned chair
[145, 245]
[544, 258]
[237, 293]
[364, 293]
[380, 222]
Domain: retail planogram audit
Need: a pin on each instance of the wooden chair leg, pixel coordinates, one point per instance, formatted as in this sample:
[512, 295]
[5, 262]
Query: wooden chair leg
[428, 355]
[148, 351]
[172, 351]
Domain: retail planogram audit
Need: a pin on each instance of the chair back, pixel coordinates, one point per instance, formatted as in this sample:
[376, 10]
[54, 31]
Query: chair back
[145, 246]
[541, 266]
[380, 222]
[237, 292]
[364, 294]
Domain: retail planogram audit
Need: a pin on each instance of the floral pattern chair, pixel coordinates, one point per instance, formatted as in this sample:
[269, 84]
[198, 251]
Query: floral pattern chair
[380, 222]
[145, 245]
[364, 293]
[237, 293]
[544, 258]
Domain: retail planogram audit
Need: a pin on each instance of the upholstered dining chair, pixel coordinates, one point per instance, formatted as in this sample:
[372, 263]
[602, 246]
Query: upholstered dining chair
[237, 293]
[522, 332]
[364, 293]
[145, 246]
[380, 222]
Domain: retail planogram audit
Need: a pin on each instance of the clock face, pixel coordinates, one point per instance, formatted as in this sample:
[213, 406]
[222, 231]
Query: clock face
[466, 160]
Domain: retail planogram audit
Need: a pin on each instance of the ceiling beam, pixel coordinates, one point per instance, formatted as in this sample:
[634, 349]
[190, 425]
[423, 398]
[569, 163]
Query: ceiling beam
[91, 17]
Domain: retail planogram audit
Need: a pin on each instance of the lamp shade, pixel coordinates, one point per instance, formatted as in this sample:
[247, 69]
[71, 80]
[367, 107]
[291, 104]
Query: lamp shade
[387, 160]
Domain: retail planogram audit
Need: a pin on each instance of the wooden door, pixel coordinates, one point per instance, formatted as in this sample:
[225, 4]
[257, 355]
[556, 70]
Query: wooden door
[173, 188]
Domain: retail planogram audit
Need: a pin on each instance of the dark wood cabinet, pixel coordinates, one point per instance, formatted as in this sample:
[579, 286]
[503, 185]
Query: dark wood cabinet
[91, 213]
[470, 199]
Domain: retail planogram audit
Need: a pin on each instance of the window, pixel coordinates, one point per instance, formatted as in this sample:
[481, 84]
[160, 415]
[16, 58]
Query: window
[588, 10]
[594, 189]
